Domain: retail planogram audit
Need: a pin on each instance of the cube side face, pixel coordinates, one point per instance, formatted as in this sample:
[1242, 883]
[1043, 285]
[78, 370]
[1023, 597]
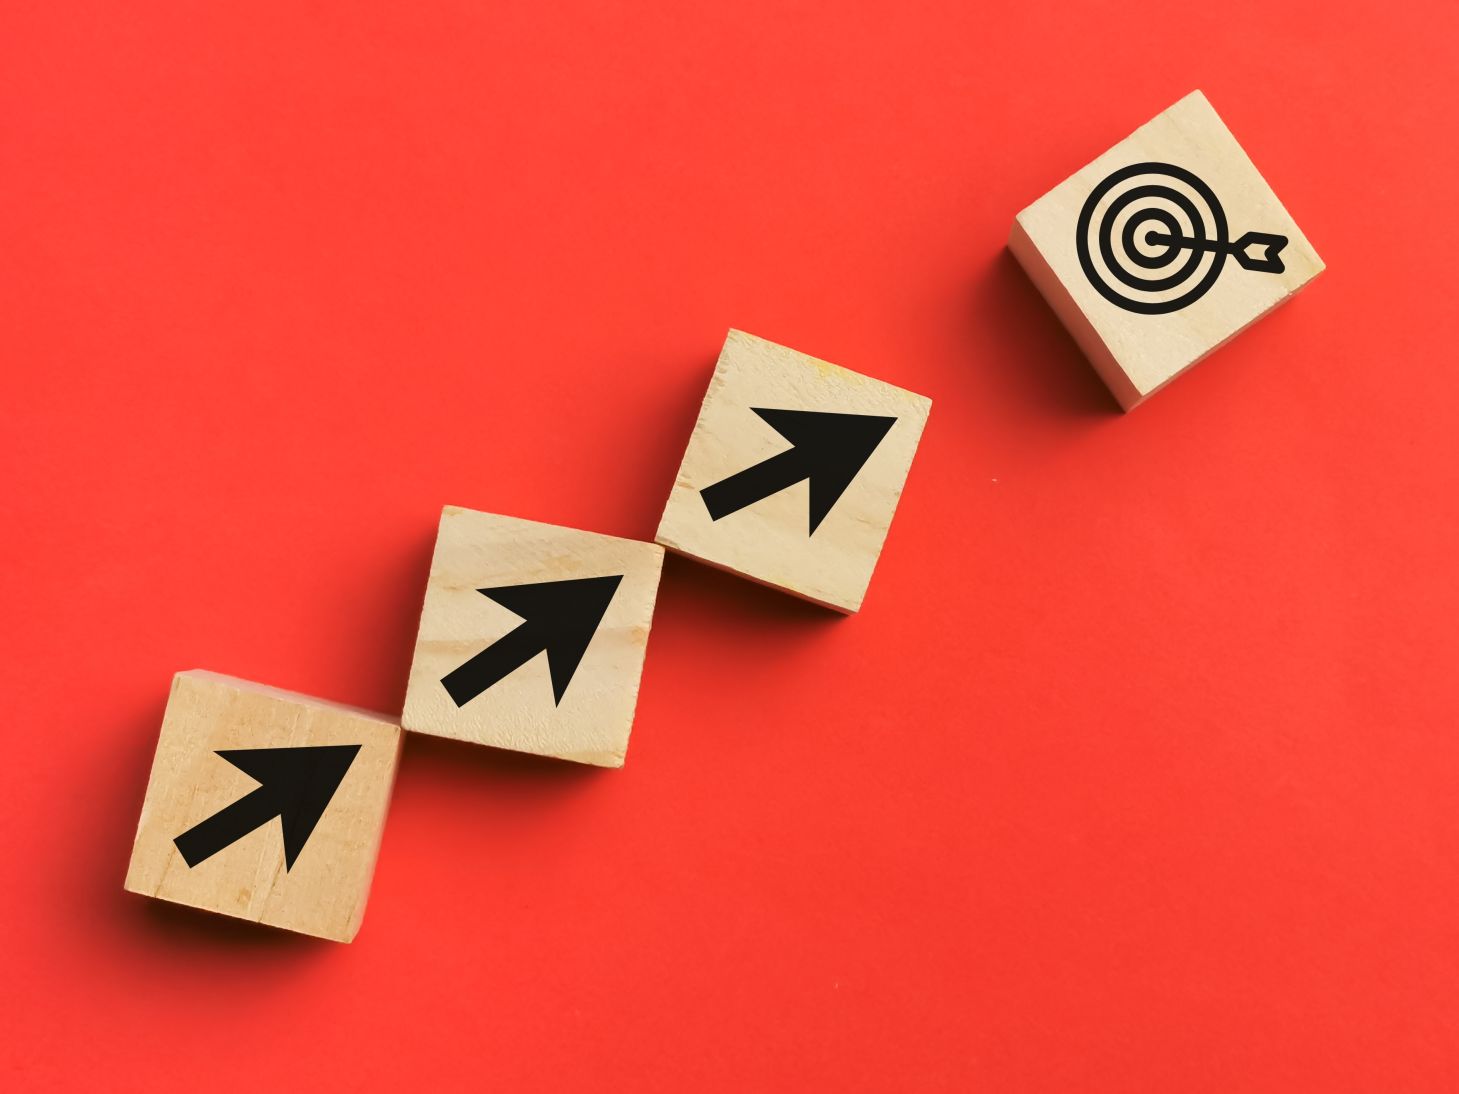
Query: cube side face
[1074, 320]
[769, 540]
[323, 893]
[1159, 306]
[519, 711]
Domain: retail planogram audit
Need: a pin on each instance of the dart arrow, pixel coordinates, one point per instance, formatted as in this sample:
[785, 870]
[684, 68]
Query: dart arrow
[1267, 261]
[295, 785]
[559, 619]
[827, 450]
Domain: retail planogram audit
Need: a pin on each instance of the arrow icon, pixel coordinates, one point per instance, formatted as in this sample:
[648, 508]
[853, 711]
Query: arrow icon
[559, 619]
[295, 785]
[1267, 260]
[827, 450]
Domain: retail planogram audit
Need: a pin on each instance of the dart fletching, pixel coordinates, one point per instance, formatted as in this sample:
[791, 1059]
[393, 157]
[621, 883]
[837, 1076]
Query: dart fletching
[1268, 258]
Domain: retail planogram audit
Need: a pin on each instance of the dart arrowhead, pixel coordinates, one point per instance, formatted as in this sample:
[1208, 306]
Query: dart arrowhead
[560, 619]
[297, 784]
[831, 448]
[1268, 260]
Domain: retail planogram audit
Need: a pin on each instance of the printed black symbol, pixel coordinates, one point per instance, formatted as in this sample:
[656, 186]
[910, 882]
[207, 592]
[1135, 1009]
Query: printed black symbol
[295, 785]
[559, 619]
[826, 449]
[1142, 218]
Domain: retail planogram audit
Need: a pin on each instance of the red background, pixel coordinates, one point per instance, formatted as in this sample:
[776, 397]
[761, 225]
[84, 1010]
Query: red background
[1138, 770]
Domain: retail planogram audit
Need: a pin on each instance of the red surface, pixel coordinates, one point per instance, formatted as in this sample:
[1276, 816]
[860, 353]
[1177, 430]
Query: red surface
[1137, 772]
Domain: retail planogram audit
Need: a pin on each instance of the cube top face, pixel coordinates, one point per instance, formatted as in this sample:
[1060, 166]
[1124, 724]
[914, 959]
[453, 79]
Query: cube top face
[793, 471]
[1162, 249]
[265, 805]
[532, 637]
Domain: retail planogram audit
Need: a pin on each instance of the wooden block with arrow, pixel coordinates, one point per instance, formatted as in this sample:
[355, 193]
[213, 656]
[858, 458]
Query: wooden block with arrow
[532, 637]
[793, 471]
[1162, 249]
[265, 805]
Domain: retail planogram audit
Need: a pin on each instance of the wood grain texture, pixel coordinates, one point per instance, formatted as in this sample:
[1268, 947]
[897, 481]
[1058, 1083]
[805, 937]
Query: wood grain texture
[768, 541]
[325, 891]
[1135, 353]
[477, 550]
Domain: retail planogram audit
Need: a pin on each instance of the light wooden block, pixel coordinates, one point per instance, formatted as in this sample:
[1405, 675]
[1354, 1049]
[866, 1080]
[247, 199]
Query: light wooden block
[743, 500]
[1170, 205]
[265, 805]
[532, 637]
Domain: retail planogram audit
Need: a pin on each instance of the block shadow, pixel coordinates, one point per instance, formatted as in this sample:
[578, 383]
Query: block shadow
[398, 617]
[1038, 366]
[500, 775]
[185, 930]
[653, 460]
[735, 603]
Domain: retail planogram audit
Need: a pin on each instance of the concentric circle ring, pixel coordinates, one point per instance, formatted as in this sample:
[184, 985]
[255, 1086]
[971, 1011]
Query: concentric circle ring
[1130, 280]
[1129, 238]
[1113, 261]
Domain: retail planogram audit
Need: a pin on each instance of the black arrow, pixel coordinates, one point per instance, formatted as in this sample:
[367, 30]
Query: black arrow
[1267, 260]
[295, 785]
[559, 619]
[826, 449]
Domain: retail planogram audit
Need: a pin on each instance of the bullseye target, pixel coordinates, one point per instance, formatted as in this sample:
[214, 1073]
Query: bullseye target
[1152, 238]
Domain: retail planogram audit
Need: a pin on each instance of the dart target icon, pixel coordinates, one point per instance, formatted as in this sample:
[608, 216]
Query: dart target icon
[1152, 238]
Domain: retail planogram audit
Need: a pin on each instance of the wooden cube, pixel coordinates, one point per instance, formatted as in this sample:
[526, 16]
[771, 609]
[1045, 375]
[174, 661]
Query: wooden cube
[1162, 249]
[265, 805]
[793, 471]
[532, 637]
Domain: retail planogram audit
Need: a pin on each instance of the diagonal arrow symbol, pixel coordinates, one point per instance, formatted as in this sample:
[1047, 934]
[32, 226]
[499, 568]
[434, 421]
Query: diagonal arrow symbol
[295, 784]
[559, 618]
[827, 450]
